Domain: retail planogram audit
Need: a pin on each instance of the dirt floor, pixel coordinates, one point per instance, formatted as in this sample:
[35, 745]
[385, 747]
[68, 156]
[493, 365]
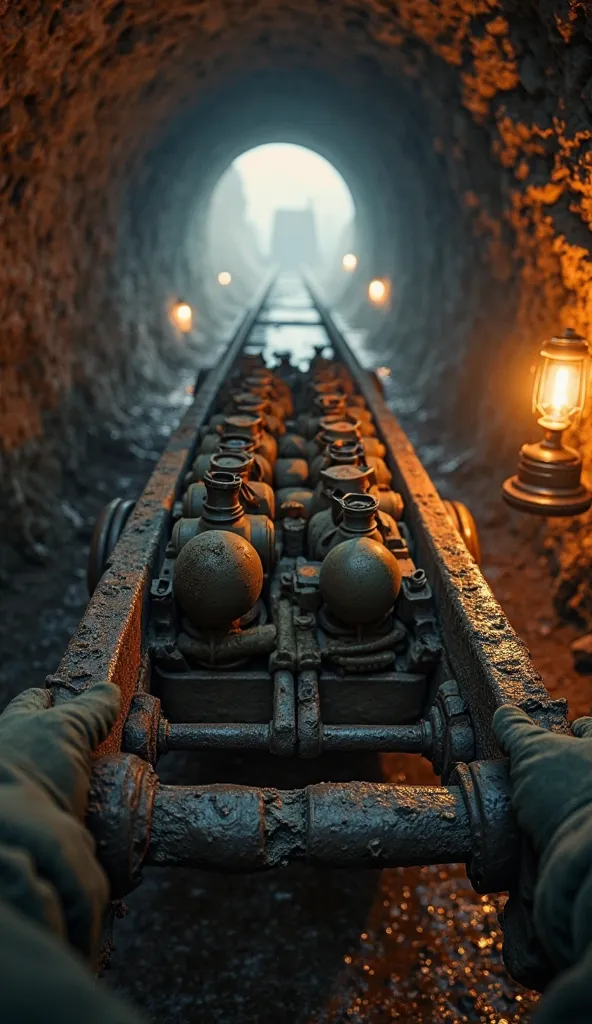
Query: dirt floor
[309, 947]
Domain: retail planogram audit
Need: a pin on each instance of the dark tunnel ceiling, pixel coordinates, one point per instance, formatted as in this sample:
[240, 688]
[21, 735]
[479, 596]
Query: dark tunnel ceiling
[461, 128]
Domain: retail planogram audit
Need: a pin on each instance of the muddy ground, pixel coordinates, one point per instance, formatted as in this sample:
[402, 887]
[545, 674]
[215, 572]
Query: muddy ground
[301, 945]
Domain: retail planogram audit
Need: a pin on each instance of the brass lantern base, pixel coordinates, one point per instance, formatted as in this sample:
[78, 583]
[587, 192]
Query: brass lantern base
[548, 482]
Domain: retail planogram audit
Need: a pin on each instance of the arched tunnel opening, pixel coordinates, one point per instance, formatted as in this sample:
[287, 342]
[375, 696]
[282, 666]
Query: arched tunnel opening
[413, 226]
[281, 204]
[460, 137]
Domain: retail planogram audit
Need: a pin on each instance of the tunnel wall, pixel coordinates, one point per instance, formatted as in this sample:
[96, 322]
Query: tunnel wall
[463, 130]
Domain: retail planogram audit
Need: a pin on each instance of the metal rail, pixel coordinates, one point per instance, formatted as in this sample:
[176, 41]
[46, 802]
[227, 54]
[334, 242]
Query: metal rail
[491, 663]
[108, 643]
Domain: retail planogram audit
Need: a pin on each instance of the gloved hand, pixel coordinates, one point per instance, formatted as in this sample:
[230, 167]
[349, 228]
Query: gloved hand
[552, 798]
[48, 868]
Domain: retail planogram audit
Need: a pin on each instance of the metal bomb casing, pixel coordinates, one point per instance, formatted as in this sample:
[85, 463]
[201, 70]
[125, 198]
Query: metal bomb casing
[360, 581]
[218, 577]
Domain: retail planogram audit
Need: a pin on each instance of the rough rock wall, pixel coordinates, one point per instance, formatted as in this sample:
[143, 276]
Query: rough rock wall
[476, 115]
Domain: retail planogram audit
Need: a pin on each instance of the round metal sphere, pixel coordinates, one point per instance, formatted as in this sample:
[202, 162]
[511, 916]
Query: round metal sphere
[218, 578]
[360, 581]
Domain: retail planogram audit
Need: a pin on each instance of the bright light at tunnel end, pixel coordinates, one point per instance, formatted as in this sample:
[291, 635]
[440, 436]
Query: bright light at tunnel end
[224, 278]
[182, 316]
[378, 291]
[280, 176]
[349, 262]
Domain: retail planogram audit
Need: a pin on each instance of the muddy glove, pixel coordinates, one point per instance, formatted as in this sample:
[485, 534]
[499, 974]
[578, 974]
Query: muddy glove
[48, 868]
[51, 885]
[552, 798]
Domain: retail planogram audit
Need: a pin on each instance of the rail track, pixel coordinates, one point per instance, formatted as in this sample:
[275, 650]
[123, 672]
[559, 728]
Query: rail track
[290, 582]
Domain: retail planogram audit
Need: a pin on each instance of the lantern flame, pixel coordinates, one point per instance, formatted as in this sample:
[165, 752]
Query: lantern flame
[560, 393]
[560, 397]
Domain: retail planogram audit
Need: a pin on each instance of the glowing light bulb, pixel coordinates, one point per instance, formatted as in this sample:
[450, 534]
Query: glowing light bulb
[224, 278]
[378, 291]
[182, 316]
[349, 262]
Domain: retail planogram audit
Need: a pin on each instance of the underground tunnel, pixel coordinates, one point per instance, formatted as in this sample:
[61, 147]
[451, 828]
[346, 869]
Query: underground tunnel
[462, 131]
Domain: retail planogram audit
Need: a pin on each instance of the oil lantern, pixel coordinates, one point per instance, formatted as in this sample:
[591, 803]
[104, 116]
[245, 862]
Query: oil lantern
[548, 481]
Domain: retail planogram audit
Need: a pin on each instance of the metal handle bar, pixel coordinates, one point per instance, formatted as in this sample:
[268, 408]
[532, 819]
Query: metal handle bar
[138, 821]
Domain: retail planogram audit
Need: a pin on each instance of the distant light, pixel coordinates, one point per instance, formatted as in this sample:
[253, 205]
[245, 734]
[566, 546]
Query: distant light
[378, 291]
[349, 262]
[182, 316]
[224, 278]
[383, 372]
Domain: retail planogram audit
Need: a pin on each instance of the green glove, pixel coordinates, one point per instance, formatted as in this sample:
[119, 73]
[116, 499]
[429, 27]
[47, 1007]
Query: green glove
[552, 798]
[53, 746]
[48, 868]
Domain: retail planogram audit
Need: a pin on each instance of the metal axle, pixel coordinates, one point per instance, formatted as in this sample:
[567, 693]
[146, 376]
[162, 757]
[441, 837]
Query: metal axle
[138, 821]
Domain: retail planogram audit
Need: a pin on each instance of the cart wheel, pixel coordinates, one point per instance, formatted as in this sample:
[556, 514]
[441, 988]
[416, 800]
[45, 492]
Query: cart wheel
[466, 526]
[108, 529]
